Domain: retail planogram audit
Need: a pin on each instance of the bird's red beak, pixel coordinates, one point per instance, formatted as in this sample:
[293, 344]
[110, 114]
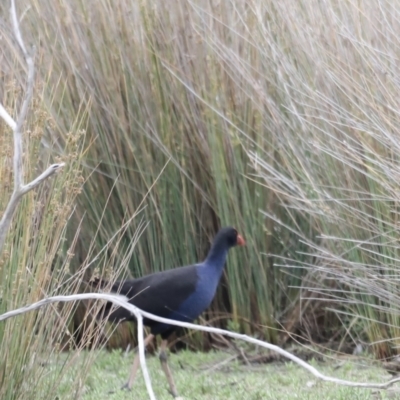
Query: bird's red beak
[240, 241]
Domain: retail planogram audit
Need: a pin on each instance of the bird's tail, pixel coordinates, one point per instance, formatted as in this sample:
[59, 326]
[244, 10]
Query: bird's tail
[109, 309]
[98, 283]
[114, 288]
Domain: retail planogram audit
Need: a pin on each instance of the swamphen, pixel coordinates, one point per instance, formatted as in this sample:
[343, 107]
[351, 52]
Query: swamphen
[181, 294]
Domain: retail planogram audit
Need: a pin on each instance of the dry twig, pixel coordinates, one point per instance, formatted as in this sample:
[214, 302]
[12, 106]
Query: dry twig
[139, 314]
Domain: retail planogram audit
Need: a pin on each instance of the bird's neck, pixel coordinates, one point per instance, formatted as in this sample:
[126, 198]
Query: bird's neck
[216, 258]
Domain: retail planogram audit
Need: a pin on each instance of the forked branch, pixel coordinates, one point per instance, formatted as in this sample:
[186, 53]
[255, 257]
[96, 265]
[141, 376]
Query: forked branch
[19, 188]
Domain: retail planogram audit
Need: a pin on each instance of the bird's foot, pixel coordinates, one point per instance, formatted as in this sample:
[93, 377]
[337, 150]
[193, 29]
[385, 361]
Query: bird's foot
[123, 387]
[175, 395]
[126, 386]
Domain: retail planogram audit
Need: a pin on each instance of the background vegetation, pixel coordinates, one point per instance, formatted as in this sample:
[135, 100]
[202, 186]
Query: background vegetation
[278, 118]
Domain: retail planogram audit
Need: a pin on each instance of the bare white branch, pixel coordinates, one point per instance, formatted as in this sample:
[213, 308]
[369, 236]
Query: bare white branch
[116, 299]
[17, 31]
[139, 314]
[16, 196]
[19, 188]
[7, 118]
[5, 221]
[18, 151]
[44, 175]
[142, 356]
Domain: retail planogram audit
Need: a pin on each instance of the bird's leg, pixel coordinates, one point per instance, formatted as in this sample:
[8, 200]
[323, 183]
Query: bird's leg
[135, 365]
[165, 367]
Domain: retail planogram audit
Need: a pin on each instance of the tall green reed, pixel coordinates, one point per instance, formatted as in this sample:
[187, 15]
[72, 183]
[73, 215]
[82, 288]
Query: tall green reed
[277, 118]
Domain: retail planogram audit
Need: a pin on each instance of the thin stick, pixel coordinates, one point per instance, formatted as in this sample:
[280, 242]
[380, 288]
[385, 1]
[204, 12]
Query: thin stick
[7, 118]
[118, 300]
[18, 172]
[142, 356]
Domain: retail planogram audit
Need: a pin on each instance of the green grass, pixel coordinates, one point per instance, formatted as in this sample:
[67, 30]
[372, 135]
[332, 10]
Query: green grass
[210, 376]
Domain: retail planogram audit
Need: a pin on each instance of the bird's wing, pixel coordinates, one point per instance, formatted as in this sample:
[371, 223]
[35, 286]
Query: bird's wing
[159, 293]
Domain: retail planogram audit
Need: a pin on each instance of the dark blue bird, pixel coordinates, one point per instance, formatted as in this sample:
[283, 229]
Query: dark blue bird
[181, 294]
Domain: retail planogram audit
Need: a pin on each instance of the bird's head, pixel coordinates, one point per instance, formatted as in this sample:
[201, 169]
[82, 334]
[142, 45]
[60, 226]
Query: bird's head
[231, 237]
